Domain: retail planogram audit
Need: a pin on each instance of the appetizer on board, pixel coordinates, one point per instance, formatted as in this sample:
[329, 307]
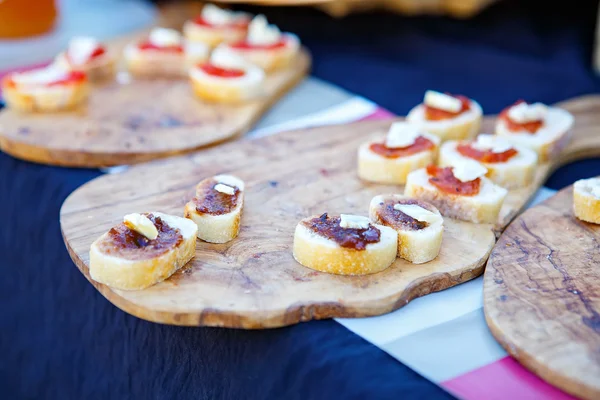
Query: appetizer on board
[344, 245]
[217, 208]
[461, 191]
[266, 46]
[405, 149]
[142, 250]
[447, 116]
[544, 129]
[88, 55]
[227, 78]
[509, 165]
[163, 54]
[46, 89]
[419, 225]
[586, 200]
[216, 25]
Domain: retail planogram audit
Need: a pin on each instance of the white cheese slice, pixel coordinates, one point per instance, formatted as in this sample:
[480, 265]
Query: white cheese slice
[417, 212]
[442, 101]
[224, 57]
[354, 221]
[40, 76]
[220, 187]
[523, 112]
[401, 134]
[467, 170]
[230, 180]
[216, 16]
[141, 224]
[595, 191]
[81, 48]
[261, 33]
[163, 37]
[494, 143]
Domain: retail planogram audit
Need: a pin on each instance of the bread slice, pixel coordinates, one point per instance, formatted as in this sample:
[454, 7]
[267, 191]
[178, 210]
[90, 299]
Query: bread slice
[214, 35]
[464, 126]
[138, 268]
[271, 59]
[549, 140]
[214, 89]
[45, 98]
[320, 253]
[418, 242]
[221, 226]
[484, 207]
[374, 167]
[586, 200]
[98, 70]
[153, 64]
[516, 172]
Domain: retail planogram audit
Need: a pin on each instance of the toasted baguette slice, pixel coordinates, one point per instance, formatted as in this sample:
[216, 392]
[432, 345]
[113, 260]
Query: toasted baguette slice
[322, 254]
[138, 268]
[97, 70]
[374, 167]
[549, 140]
[586, 200]
[214, 89]
[214, 35]
[220, 227]
[418, 242]
[45, 99]
[271, 59]
[517, 172]
[464, 126]
[484, 207]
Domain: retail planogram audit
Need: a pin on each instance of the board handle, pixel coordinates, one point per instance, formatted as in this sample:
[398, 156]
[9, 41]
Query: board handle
[585, 142]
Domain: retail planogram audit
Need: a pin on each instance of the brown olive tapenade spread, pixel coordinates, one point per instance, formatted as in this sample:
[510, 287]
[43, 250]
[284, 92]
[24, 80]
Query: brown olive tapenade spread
[397, 219]
[351, 238]
[210, 201]
[128, 244]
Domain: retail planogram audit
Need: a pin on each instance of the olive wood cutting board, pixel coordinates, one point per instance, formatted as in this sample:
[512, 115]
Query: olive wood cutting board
[131, 121]
[542, 295]
[253, 281]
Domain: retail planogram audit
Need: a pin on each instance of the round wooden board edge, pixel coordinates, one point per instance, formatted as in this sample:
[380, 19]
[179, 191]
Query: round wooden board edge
[86, 159]
[294, 314]
[523, 357]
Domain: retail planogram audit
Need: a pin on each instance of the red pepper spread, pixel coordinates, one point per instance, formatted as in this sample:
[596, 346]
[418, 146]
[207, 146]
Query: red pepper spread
[100, 50]
[213, 70]
[70, 77]
[531, 127]
[420, 144]
[245, 45]
[211, 201]
[444, 180]
[435, 114]
[485, 156]
[350, 238]
[241, 23]
[388, 215]
[121, 240]
[147, 45]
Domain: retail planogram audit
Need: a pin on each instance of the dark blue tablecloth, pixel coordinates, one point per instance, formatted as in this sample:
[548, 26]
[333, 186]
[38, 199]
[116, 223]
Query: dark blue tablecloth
[61, 339]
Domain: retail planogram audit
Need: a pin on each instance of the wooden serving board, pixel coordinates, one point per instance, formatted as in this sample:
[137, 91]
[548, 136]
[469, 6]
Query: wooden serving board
[542, 295]
[253, 281]
[136, 121]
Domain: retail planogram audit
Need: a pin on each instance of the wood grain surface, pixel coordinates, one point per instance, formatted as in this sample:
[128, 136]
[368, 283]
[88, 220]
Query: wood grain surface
[136, 121]
[253, 281]
[542, 295]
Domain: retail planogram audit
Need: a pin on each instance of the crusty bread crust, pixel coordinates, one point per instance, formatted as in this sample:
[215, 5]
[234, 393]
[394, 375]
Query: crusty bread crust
[216, 228]
[321, 254]
[58, 98]
[212, 36]
[415, 246]
[101, 70]
[125, 274]
[516, 173]
[214, 92]
[481, 208]
[154, 65]
[376, 168]
[586, 207]
[272, 59]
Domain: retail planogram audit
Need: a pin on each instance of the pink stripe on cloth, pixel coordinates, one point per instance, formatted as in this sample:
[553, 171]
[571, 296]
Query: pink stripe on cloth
[380, 113]
[501, 380]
